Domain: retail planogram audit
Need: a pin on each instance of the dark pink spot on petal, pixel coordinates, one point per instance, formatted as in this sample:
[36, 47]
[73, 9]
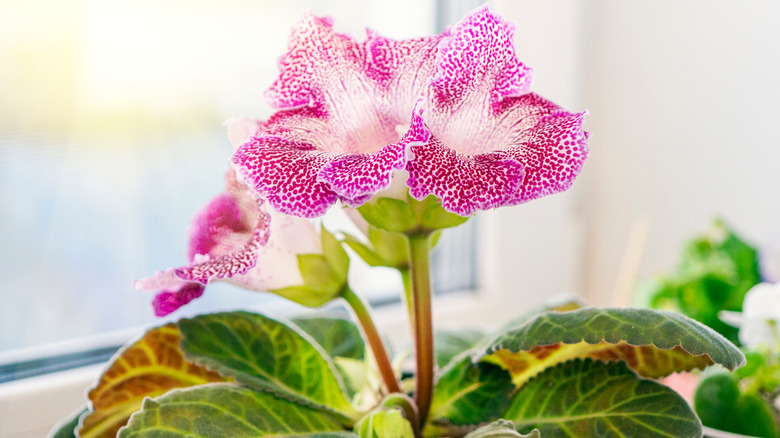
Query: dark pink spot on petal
[167, 302]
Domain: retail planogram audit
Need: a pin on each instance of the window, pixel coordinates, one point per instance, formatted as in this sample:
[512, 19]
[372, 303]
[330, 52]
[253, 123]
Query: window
[108, 142]
[107, 147]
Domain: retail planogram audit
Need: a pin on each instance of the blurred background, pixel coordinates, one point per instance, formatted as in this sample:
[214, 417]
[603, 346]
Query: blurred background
[111, 138]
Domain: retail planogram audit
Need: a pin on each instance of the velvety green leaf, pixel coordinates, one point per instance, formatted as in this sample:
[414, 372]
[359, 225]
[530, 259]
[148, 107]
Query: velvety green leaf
[389, 214]
[367, 254]
[467, 394]
[267, 355]
[149, 367]
[586, 398]
[450, 343]
[67, 428]
[653, 343]
[334, 253]
[384, 423]
[339, 337]
[721, 406]
[501, 429]
[558, 303]
[228, 411]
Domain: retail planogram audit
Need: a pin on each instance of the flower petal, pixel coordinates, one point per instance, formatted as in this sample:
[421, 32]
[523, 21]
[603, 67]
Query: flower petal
[488, 131]
[277, 264]
[161, 280]
[221, 246]
[328, 71]
[285, 173]
[553, 153]
[545, 149]
[239, 129]
[477, 72]
[215, 224]
[478, 57]
[463, 183]
[356, 176]
[233, 263]
[168, 301]
[401, 70]
[314, 47]
[342, 102]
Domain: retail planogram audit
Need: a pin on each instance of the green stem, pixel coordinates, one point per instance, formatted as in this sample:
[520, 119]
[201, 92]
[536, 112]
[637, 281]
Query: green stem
[419, 249]
[406, 277]
[371, 334]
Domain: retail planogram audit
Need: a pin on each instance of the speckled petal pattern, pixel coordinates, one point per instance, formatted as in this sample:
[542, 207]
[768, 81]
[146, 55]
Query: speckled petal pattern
[546, 143]
[232, 263]
[214, 224]
[313, 46]
[357, 176]
[479, 57]
[553, 153]
[462, 183]
[343, 102]
[239, 239]
[401, 70]
[477, 71]
[328, 72]
[285, 173]
[478, 139]
[492, 142]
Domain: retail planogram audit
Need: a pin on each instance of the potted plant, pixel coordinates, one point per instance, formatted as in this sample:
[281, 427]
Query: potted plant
[472, 137]
[718, 281]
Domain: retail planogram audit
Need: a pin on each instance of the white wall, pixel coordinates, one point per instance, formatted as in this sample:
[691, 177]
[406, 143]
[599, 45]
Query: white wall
[683, 100]
[535, 250]
[684, 97]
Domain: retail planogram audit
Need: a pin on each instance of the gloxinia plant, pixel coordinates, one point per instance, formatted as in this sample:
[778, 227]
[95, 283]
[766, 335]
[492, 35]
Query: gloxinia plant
[416, 136]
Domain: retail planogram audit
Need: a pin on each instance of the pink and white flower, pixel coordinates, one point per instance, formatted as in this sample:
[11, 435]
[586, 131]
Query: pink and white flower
[236, 238]
[452, 110]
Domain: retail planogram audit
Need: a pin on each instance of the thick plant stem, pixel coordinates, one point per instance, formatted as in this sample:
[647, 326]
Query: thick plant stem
[371, 334]
[419, 249]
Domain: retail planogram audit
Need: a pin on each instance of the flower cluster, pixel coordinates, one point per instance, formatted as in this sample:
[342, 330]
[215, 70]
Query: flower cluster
[449, 115]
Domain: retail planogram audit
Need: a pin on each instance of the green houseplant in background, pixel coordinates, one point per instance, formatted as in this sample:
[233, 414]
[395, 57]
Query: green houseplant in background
[717, 282]
[415, 136]
[714, 273]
